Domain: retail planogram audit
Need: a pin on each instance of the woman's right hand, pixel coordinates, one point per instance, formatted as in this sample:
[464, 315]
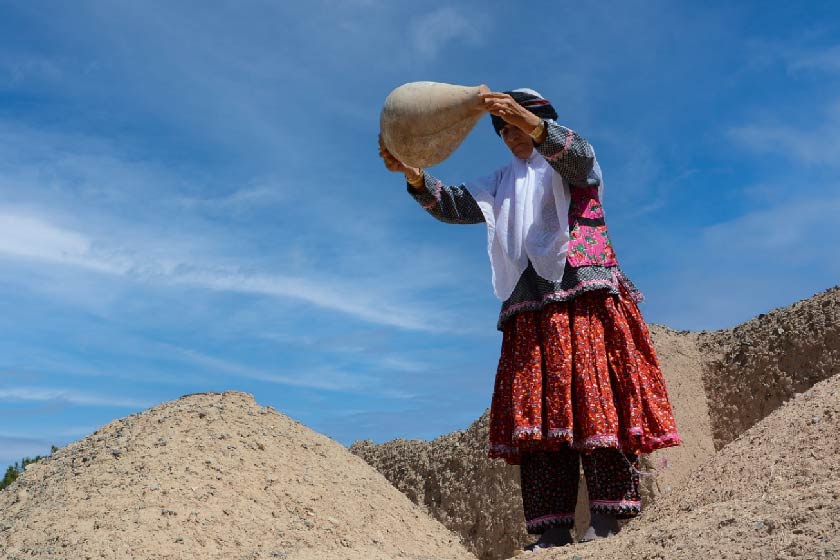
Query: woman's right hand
[412, 174]
[391, 163]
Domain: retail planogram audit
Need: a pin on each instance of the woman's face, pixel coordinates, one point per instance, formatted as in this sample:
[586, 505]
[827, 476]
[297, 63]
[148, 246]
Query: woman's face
[517, 141]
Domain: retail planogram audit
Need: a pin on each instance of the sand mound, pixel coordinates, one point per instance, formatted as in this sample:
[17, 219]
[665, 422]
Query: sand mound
[213, 476]
[453, 479]
[773, 493]
[755, 367]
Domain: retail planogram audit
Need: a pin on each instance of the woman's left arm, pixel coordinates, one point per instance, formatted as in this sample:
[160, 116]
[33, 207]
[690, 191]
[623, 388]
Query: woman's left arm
[569, 154]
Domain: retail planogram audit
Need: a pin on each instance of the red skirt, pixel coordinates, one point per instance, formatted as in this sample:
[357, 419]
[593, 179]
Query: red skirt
[580, 373]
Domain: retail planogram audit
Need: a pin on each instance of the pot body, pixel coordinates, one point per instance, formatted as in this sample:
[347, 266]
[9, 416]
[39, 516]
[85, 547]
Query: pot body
[422, 123]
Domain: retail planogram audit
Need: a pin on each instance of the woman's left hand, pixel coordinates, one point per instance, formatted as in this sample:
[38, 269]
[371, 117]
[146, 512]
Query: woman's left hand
[503, 105]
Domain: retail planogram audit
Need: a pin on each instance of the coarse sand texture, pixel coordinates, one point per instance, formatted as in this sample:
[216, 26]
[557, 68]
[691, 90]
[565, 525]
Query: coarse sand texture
[213, 476]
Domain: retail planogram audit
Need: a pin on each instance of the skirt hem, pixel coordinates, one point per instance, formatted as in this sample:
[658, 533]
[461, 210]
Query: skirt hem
[512, 453]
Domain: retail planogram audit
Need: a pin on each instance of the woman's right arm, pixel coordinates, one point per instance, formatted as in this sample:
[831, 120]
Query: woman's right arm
[450, 204]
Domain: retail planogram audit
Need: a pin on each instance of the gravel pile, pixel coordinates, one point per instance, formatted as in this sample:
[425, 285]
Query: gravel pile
[213, 476]
[758, 365]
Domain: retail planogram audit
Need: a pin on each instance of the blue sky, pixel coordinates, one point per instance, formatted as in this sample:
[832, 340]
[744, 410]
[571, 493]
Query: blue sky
[191, 199]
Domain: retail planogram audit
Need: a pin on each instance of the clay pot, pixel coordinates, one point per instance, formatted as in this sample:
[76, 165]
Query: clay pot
[422, 123]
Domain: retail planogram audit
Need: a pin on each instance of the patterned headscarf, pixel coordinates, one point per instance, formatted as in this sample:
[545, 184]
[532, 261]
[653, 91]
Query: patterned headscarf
[532, 101]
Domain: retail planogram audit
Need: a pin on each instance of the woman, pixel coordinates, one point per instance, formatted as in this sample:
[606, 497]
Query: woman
[578, 378]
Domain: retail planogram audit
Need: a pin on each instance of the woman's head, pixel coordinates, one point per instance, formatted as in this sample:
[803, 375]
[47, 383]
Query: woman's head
[515, 139]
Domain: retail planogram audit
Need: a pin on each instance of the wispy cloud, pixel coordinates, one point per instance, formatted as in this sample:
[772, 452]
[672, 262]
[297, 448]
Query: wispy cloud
[76, 201]
[361, 345]
[362, 305]
[798, 55]
[29, 237]
[436, 31]
[819, 146]
[69, 396]
[820, 60]
[240, 201]
[816, 144]
[781, 249]
[401, 364]
[334, 381]
[815, 52]
[34, 238]
[322, 377]
[794, 232]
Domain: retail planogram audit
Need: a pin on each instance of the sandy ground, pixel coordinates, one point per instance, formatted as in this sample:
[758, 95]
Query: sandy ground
[773, 493]
[213, 476]
[452, 478]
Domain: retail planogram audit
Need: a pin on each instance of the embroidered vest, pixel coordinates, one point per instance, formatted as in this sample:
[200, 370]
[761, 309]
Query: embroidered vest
[589, 242]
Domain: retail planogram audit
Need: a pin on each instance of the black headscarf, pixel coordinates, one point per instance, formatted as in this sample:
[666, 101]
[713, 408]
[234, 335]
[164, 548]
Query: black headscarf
[532, 101]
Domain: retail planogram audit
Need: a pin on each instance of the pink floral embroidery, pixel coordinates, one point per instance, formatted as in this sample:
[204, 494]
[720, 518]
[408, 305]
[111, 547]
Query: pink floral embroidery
[589, 244]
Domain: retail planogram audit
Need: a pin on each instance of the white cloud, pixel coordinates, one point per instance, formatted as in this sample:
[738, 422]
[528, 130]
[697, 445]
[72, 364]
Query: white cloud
[804, 143]
[434, 32]
[797, 55]
[77, 201]
[34, 238]
[239, 201]
[324, 378]
[25, 236]
[821, 60]
[816, 146]
[799, 58]
[771, 256]
[360, 303]
[71, 396]
[402, 364]
[795, 232]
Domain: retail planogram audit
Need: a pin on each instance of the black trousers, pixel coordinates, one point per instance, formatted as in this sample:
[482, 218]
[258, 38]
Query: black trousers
[550, 485]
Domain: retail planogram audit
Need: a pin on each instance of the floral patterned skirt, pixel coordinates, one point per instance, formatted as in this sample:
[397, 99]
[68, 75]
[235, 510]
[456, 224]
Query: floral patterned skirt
[581, 372]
